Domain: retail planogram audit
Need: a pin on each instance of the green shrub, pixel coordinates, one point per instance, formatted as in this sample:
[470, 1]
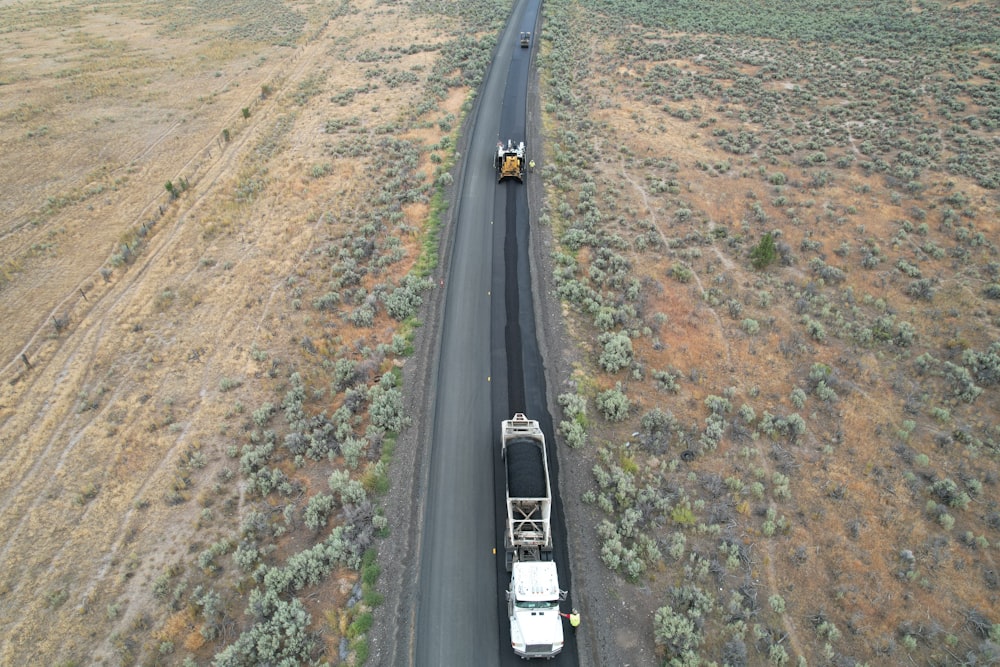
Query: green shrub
[985, 366]
[616, 353]
[353, 449]
[948, 491]
[656, 427]
[403, 302]
[815, 328]
[315, 514]
[574, 432]
[279, 635]
[681, 273]
[386, 408]
[764, 253]
[263, 414]
[678, 635]
[246, 556]
[228, 384]
[351, 491]
[798, 398]
[361, 624]
[921, 289]
[614, 404]
[363, 315]
[666, 381]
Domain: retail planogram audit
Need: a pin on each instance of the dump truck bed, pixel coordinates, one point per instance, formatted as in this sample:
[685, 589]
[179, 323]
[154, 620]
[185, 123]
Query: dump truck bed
[525, 469]
[529, 494]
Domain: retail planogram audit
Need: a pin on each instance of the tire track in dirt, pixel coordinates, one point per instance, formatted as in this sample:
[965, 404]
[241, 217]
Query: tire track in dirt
[230, 342]
[75, 354]
[45, 506]
[218, 174]
[103, 311]
[136, 589]
[65, 384]
[72, 303]
[188, 169]
[663, 239]
[770, 572]
[79, 356]
[57, 416]
[143, 153]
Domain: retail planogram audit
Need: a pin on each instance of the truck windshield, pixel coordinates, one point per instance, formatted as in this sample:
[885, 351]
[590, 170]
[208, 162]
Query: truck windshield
[530, 604]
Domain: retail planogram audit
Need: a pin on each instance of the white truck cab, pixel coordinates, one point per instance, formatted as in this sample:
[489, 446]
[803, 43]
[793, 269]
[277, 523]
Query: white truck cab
[536, 629]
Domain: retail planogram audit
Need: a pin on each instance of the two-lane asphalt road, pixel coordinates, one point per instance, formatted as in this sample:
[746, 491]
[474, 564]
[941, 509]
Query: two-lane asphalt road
[489, 366]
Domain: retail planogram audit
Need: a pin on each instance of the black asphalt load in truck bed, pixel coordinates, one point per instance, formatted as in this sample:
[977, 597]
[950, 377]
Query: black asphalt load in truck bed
[525, 469]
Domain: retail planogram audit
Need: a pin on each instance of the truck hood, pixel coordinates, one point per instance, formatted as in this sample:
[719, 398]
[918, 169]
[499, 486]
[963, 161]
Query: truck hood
[537, 626]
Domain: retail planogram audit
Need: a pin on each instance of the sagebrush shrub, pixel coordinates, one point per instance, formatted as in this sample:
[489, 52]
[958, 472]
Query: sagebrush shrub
[614, 404]
[616, 353]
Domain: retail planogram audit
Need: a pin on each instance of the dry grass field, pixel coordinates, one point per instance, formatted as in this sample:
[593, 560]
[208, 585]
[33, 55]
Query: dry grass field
[777, 226]
[213, 224]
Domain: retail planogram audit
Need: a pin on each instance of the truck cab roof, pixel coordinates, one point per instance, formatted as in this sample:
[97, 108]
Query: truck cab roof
[536, 581]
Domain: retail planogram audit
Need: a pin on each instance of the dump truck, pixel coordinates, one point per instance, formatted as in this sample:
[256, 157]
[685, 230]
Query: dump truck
[525, 40]
[509, 160]
[533, 597]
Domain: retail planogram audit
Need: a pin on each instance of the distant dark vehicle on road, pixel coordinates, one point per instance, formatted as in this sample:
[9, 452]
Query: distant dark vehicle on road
[525, 40]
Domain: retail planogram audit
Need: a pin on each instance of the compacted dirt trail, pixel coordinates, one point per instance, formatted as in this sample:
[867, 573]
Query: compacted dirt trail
[121, 401]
